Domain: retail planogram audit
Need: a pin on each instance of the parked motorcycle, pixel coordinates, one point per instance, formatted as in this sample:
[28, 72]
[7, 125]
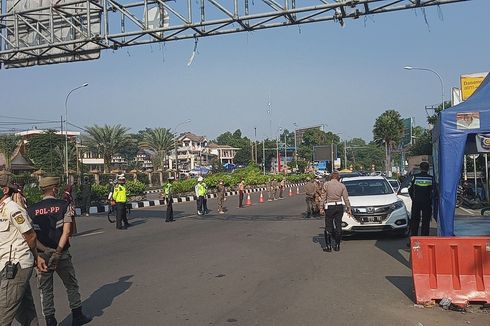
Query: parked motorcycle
[466, 197]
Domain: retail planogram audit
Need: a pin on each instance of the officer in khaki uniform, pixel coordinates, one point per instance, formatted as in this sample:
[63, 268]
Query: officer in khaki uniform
[17, 259]
[52, 222]
[318, 196]
[310, 190]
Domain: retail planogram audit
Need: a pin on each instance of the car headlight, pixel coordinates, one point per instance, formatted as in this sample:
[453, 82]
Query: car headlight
[397, 205]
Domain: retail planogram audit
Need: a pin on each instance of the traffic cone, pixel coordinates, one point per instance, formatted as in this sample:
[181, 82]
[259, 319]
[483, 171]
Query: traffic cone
[261, 198]
[290, 192]
[249, 200]
[297, 190]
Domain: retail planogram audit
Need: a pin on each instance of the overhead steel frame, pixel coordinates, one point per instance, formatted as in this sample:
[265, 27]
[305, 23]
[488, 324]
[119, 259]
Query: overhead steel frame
[127, 24]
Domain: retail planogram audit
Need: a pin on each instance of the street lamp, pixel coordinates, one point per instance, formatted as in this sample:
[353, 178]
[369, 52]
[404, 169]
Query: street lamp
[175, 146]
[435, 73]
[66, 128]
[295, 146]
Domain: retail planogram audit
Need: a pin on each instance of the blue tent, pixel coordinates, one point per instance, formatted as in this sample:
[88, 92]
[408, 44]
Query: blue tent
[455, 135]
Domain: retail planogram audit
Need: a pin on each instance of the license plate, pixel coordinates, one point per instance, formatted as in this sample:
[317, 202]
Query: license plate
[371, 219]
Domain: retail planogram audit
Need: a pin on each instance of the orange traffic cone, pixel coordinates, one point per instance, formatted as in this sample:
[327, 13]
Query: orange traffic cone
[249, 200]
[261, 198]
[290, 192]
[297, 190]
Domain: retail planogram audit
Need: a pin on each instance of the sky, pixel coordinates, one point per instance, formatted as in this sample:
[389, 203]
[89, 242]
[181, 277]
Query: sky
[320, 73]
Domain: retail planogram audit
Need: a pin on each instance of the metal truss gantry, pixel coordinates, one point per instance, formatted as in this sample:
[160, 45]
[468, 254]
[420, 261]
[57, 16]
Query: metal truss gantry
[70, 30]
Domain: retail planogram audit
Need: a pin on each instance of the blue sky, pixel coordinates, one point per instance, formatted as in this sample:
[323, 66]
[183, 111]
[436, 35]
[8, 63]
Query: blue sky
[315, 74]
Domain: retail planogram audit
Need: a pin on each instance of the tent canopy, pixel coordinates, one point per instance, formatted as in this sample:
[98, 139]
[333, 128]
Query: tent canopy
[453, 136]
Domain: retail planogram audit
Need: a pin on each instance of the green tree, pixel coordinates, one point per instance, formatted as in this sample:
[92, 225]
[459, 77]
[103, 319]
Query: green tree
[432, 119]
[107, 140]
[388, 129]
[422, 144]
[235, 139]
[8, 145]
[161, 141]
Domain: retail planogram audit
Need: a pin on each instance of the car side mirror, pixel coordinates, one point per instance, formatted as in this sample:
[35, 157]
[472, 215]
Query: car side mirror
[404, 191]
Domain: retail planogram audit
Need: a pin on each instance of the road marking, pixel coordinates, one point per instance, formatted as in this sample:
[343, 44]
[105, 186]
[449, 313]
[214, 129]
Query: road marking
[89, 234]
[467, 211]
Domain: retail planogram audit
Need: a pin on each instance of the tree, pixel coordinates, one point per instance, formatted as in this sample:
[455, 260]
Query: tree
[422, 144]
[8, 145]
[107, 140]
[388, 129]
[432, 119]
[235, 139]
[161, 141]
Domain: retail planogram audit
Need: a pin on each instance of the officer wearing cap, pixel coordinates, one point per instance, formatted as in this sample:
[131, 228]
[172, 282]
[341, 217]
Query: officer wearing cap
[18, 256]
[310, 190]
[168, 192]
[52, 222]
[334, 198]
[120, 197]
[201, 193]
[421, 192]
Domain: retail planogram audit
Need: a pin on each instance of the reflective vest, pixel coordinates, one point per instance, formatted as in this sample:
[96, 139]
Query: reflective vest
[421, 188]
[119, 195]
[201, 189]
[168, 189]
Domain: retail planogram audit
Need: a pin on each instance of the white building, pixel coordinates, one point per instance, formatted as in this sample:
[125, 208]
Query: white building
[225, 153]
[191, 151]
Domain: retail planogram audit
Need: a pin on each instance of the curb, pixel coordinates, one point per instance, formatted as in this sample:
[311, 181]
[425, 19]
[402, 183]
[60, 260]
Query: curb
[183, 199]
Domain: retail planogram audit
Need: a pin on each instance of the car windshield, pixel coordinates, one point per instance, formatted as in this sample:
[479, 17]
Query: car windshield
[393, 183]
[368, 187]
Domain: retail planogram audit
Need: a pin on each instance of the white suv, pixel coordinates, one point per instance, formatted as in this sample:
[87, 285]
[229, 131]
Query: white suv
[375, 207]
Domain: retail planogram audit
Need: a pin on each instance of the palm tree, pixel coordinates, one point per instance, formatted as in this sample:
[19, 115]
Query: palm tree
[388, 129]
[8, 145]
[161, 141]
[107, 141]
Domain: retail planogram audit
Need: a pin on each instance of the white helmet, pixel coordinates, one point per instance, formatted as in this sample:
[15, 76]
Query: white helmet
[200, 179]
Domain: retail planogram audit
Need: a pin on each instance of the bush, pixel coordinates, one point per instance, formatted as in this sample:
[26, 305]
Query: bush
[135, 187]
[32, 193]
[100, 192]
[184, 186]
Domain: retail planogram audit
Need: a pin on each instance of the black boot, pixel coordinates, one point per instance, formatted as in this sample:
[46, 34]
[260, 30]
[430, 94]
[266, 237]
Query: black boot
[78, 318]
[337, 244]
[328, 242]
[51, 321]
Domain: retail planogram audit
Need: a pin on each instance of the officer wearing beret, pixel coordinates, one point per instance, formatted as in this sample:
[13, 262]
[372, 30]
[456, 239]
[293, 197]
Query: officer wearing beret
[17, 257]
[52, 220]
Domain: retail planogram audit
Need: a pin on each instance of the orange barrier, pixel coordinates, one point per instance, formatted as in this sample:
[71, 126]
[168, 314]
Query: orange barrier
[248, 202]
[261, 198]
[456, 268]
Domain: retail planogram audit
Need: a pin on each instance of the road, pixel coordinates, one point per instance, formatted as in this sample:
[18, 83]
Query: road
[259, 265]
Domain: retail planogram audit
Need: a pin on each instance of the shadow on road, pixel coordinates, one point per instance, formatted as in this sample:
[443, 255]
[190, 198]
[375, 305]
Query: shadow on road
[235, 217]
[86, 232]
[102, 298]
[320, 239]
[404, 284]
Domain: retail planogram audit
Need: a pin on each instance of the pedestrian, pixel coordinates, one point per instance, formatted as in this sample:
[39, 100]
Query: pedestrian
[310, 190]
[68, 197]
[120, 198]
[282, 185]
[168, 192]
[274, 188]
[52, 222]
[241, 192]
[334, 198]
[318, 197]
[269, 189]
[18, 256]
[220, 193]
[421, 192]
[201, 193]
[86, 193]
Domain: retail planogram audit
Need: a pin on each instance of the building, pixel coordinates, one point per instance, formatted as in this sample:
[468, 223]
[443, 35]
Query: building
[300, 132]
[225, 153]
[143, 158]
[191, 151]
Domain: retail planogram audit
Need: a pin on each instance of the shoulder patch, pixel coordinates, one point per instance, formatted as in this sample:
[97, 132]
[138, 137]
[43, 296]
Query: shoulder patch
[19, 217]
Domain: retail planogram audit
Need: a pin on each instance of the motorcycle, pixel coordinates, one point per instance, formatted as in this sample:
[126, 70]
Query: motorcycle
[466, 197]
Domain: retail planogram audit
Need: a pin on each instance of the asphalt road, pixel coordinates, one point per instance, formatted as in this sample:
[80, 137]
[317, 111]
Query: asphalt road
[260, 265]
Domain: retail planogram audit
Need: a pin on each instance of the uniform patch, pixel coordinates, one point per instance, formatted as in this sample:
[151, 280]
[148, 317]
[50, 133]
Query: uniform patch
[19, 218]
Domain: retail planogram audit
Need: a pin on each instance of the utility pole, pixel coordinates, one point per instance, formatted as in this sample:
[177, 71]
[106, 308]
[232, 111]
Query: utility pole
[255, 144]
[263, 155]
[345, 153]
[285, 154]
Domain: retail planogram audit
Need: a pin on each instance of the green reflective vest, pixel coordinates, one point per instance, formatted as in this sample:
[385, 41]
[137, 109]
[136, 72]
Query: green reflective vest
[168, 189]
[201, 189]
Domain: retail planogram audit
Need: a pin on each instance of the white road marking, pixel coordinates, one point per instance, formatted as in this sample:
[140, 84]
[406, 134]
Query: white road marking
[467, 211]
[89, 234]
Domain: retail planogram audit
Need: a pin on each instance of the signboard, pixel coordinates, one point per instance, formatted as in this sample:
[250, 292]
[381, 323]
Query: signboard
[470, 82]
[325, 153]
[483, 143]
[44, 26]
[407, 132]
[468, 120]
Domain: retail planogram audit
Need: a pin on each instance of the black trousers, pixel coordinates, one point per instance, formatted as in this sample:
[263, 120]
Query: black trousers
[333, 222]
[426, 210]
[121, 215]
[240, 198]
[202, 205]
[170, 209]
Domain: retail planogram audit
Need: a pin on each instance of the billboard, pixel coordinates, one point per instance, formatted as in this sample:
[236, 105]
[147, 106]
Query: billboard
[34, 23]
[325, 153]
[470, 82]
[407, 132]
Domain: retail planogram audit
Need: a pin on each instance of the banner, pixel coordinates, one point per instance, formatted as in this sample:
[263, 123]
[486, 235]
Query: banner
[483, 143]
[470, 82]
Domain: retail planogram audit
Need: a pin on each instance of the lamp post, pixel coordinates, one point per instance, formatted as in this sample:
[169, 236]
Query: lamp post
[285, 154]
[435, 73]
[66, 128]
[295, 146]
[175, 147]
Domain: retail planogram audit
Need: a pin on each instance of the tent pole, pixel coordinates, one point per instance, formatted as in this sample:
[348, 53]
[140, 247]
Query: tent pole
[465, 175]
[486, 176]
[474, 171]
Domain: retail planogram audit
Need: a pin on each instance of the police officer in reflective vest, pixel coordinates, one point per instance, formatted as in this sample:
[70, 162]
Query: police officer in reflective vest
[421, 191]
[52, 222]
[201, 192]
[120, 197]
[18, 255]
[168, 192]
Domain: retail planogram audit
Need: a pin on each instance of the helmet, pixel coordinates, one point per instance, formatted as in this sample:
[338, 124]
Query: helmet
[200, 179]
